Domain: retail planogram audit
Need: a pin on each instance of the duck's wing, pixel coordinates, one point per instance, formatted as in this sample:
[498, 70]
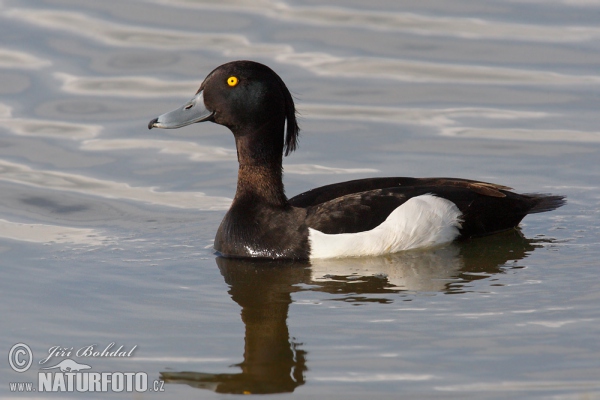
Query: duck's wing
[334, 191]
[355, 212]
[485, 208]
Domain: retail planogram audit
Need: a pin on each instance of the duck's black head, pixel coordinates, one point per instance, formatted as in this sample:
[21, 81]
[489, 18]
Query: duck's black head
[251, 100]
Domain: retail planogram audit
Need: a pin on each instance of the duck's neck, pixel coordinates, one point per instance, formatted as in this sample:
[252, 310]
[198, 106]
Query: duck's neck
[260, 183]
[260, 168]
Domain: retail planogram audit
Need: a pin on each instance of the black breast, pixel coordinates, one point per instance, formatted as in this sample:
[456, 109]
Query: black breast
[252, 229]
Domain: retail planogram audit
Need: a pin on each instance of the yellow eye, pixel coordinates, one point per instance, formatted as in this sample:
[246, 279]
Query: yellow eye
[232, 81]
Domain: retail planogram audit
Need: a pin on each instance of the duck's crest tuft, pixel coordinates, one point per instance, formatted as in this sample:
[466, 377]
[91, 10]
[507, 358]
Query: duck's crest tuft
[292, 128]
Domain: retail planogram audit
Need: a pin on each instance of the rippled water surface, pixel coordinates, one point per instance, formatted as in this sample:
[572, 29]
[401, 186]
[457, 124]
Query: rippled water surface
[106, 227]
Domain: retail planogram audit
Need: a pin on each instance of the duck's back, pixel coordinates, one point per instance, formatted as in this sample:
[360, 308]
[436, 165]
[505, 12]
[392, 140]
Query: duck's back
[361, 205]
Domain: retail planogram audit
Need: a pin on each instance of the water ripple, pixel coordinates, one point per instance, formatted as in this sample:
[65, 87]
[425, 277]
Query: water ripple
[46, 128]
[447, 121]
[319, 63]
[193, 151]
[534, 135]
[314, 169]
[374, 377]
[22, 174]
[130, 86]
[513, 386]
[442, 117]
[199, 153]
[121, 35]
[19, 60]
[421, 71]
[417, 24]
[40, 233]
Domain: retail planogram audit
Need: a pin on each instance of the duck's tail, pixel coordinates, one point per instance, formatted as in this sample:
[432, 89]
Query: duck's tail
[545, 202]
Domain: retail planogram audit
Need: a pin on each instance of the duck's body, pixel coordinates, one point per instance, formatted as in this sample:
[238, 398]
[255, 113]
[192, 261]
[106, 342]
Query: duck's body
[356, 218]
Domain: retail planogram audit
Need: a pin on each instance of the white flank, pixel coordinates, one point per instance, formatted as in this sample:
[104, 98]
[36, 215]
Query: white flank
[422, 221]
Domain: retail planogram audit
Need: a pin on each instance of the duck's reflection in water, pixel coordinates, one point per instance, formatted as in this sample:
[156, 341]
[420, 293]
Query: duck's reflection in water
[273, 363]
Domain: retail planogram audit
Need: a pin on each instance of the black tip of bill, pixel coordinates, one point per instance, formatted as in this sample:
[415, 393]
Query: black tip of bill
[151, 123]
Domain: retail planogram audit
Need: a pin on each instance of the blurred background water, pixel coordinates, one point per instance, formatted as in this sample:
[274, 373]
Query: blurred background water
[106, 228]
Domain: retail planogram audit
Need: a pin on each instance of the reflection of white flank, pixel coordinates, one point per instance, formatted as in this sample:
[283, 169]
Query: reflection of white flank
[18, 59]
[467, 28]
[319, 63]
[46, 128]
[423, 271]
[39, 233]
[25, 175]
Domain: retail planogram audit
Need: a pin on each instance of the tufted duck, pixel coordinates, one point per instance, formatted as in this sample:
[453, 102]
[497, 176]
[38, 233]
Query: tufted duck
[365, 217]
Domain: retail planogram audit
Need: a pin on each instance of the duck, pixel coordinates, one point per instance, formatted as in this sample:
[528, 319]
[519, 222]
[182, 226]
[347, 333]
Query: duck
[363, 217]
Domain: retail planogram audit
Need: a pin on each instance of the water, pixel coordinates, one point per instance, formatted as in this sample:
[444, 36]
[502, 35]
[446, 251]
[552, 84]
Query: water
[106, 228]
